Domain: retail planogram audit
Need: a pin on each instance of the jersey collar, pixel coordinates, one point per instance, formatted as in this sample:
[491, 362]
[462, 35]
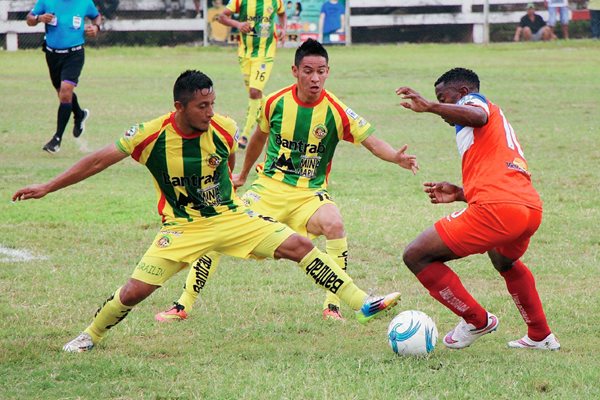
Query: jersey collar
[306, 105]
[179, 132]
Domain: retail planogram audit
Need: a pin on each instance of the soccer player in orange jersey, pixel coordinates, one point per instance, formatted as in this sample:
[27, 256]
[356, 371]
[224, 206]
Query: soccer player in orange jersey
[503, 212]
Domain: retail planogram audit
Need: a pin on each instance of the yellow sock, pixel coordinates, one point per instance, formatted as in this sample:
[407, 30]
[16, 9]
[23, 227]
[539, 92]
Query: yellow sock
[251, 116]
[327, 274]
[108, 315]
[338, 250]
[200, 272]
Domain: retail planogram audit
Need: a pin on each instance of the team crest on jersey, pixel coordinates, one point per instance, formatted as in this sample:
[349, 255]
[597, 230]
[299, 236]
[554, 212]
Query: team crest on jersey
[132, 131]
[351, 113]
[320, 131]
[214, 161]
[164, 241]
[269, 10]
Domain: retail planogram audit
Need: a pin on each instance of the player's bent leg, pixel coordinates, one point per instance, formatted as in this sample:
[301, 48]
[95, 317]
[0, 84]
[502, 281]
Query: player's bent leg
[326, 273]
[425, 257]
[149, 275]
[252, 114]
[200, 272]
[327, 221]
[113, 311]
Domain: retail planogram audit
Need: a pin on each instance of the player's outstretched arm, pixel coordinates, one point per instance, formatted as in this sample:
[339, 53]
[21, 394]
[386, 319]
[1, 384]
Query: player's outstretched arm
[381, 149]
[443, 192]
[82, 169]
[253, 151]
[465, 115]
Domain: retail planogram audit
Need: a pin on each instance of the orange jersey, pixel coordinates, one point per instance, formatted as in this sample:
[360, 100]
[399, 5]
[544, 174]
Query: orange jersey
[493, 165]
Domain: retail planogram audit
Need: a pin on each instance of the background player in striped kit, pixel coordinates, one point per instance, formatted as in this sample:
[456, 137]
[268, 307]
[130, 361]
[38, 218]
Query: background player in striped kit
[301, 124]
[187, 153]
[258, 41]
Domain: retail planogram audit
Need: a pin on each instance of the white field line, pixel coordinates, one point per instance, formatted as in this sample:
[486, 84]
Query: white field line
[17, 255]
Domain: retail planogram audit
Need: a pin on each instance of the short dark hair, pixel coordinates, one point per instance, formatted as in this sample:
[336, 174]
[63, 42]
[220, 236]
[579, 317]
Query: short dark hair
[459, 75]
[188, 83]
[310, 47]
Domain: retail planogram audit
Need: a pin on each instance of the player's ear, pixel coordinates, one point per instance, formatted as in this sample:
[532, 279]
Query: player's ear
[179, 105]
[295, 71]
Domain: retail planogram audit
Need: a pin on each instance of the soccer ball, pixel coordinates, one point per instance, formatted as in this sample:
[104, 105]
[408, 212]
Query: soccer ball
[412, 333]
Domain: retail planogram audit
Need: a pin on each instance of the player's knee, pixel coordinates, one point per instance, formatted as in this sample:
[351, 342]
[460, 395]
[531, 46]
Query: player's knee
[333, 229]
[134, 291]
[255, 93]
[294, 248]
[413, 257]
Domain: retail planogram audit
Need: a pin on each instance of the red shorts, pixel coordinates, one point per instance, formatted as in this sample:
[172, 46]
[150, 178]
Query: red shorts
[504, 227]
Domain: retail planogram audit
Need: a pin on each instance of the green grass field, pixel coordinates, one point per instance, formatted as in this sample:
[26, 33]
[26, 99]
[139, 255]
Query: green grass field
[257, 332]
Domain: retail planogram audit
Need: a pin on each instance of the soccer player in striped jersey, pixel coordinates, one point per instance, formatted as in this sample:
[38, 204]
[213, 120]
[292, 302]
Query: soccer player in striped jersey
[301, 125]
[188, 153]
[256, 51]
[502, 214]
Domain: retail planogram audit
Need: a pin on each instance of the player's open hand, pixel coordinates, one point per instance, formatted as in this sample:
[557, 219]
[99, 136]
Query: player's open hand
[407, 161]
[416, 102]
[443, 192]
[30, 192]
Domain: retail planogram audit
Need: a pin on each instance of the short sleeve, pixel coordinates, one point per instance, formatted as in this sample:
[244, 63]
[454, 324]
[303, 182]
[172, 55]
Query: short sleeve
[39, 8]
[92, 11]
[234, 6]
[477, 100]
[263, 119]
[131, 139]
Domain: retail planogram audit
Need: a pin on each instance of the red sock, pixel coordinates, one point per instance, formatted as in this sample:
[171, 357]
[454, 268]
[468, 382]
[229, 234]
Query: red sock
[521, 286]
[445, 286]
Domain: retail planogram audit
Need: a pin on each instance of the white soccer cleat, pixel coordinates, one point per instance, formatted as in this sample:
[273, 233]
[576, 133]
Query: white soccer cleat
[81, 343]
[464, 334]
[549, 343]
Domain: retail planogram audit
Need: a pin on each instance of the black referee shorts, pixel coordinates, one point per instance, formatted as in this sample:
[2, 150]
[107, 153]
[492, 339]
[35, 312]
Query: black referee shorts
[64, 66]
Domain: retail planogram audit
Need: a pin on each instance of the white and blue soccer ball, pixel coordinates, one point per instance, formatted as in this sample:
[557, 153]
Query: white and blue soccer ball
[412, 333]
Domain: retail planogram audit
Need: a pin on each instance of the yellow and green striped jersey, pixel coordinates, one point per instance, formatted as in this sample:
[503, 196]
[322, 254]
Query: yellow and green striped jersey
[303, 137]
[262, 40]
[191, 173]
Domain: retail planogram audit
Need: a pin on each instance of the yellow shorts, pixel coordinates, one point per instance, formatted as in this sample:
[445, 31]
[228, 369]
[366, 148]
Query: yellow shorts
[256, 71]
[291, 205]
[237, 233]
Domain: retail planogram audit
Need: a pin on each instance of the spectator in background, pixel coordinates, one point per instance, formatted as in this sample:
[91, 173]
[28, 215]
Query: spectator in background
[107, 7]
[289, 9]
[298, 10]
[197, 9]
[532, 27]
[217, 32]
[594, 7]
[65, 27]
[562, 6]
[331, 20]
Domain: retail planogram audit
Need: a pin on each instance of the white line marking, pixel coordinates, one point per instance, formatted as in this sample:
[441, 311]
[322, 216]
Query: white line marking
[17, 255]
